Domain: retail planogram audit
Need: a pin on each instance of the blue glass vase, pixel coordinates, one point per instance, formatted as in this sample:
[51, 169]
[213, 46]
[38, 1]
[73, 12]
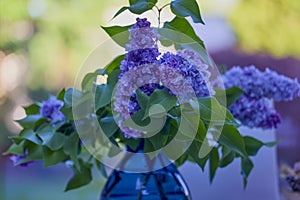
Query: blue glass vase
[165, 183]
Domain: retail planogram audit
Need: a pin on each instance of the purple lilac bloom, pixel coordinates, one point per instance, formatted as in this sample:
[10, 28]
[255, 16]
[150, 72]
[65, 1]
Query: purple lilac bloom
[257, 84]
[255, 113]
[188, 71]
[254, 109]
[51, 109]
[142, 36]
[194, 58]
[16, 158]
[142, 69]
[142, 48]
[279, 87]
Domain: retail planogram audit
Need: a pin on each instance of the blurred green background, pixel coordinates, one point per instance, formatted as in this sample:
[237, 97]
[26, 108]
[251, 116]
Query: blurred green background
[44, 42]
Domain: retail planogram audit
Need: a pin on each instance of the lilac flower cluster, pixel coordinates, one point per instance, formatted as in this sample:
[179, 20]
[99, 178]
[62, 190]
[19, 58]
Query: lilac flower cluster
[142, 36]
[142, 48]
[183, 75]
[255, 113]
[188, 71]
[254, 109]
[257, 84]
[51, 109]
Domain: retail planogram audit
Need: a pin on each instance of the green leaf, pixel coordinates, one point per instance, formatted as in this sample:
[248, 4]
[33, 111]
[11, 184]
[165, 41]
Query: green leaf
[56, 142]
[30, 135]
[227, 157]
[33, 109]
[115, 64]
[140, 6]
[195, 147]
[29, 121]
[103, 95]
[89, 80]
[161, 97]
[80, 178]
[119, 34]
[113, 77]
[70, 94]
[71, 148]
[108, 125]
[157, 142]
[46, 133]
[101, 168]
[181, 160]
[252, 145]
[61, 94]
[233, 94]
[142, 98]
[187, 8]
[120, 11]
[232, 139]
[247, 166]
[16, 149]
[53, 157]
[213, 163]
[132, 143]
[271, 144]
[35, 152]
[183, 26]
[71, 145]
[212, 110]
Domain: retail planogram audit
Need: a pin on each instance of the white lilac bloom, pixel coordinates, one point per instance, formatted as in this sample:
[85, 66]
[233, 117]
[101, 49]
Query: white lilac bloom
[254, 109]
[50, 109]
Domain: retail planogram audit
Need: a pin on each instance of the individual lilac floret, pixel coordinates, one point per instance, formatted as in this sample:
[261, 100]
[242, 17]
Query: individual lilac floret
[51, 109]
[188, 71]
[255, 113]
[16, 158]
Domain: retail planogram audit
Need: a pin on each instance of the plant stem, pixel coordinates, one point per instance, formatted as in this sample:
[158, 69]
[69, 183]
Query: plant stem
[160, 187]
[159, 13]
[145, 180]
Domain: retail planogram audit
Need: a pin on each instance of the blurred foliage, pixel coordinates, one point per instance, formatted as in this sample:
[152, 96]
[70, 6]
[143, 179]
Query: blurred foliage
[55, 36]
[268, 25]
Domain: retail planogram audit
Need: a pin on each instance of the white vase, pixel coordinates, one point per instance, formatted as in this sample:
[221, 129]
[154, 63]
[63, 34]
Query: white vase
[228, 182]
